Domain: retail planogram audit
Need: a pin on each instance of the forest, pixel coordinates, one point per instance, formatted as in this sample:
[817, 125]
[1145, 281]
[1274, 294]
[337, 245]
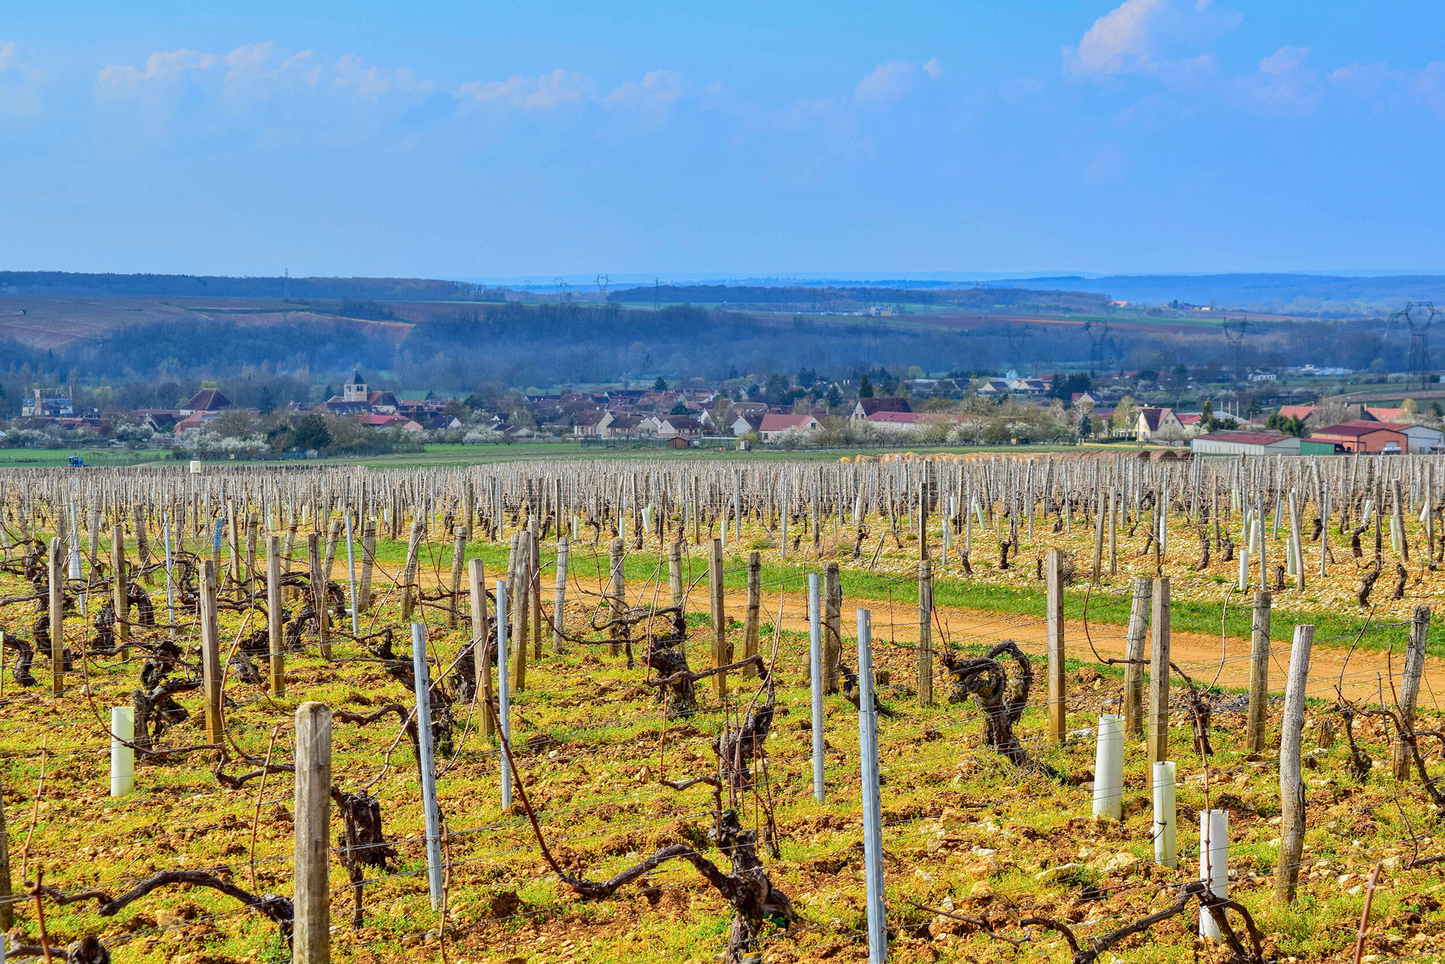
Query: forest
[457, 348]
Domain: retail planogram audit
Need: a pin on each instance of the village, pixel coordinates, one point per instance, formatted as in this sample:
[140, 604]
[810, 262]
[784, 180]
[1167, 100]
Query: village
[802, 411]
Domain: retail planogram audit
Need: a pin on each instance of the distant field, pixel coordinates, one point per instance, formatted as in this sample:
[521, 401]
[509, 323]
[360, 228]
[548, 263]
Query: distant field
[443, 455]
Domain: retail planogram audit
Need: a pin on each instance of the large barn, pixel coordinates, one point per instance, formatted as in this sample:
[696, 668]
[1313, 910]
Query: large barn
[1244, 443]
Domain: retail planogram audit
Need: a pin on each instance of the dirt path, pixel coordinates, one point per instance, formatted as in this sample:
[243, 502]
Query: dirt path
[1197, 654]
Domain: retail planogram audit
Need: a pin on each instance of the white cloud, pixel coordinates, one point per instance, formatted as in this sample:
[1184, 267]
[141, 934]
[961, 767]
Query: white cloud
[1388, 88]
[1283, 84]
[1428, 86]
[163, 67]
[886, 84]
[20, 82]
[252, 72]
[658, 89]
[933, 69]
[1165, 39]
[559, 88]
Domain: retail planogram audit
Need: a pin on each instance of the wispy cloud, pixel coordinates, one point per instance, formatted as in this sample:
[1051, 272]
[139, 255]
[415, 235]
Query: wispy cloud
[1283, 84]
[20, 82]
[550, 91]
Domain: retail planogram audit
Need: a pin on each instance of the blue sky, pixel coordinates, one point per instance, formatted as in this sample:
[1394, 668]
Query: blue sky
[743, 138]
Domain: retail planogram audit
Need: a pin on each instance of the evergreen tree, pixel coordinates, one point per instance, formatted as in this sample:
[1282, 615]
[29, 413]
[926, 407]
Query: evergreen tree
[865, 387]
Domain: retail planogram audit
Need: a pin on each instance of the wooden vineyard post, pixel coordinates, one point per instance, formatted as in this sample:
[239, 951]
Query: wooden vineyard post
[1054, 623]
[1113, 532]
[520, 610]
[311, 940]
[719, 619]
[1291, 783]
[1258, 673]
[1100, 510]
[534, 581]
[1134, 652]
[1410, 685]
[368, 559]
[674, 572]
[7, 911]
[120, 596]
[755, 605]
[481, 642]
[459, 551]
[210, 653]
[1159, 673]
[559, 602]
[318, 593]
[57, 618]
[275, 625]
[925, 633]
[408, 578]
[616, 592]
[832, 628]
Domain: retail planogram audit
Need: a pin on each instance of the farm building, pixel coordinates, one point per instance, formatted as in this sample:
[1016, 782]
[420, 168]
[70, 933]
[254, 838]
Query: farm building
[1369, 437]
[1244, 443]
[1424, 440]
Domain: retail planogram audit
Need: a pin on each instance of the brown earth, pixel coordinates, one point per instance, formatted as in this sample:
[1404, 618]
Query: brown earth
[1197, 654]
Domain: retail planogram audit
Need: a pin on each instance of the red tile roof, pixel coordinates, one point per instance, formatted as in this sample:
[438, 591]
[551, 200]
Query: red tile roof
[1244, 438]
[1358, 429]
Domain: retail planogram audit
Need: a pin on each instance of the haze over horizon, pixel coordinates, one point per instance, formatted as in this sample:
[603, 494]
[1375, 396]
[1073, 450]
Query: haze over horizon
[918, 139]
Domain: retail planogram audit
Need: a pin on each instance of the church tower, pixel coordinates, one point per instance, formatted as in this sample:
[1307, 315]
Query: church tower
[355, 389]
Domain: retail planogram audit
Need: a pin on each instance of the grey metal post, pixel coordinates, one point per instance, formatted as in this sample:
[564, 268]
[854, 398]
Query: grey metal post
[428, 771]
[504, 694]
[815, 665]
[351, 573]
[872, 805]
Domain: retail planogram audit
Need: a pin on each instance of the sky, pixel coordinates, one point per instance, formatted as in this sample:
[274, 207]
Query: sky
[527, 141]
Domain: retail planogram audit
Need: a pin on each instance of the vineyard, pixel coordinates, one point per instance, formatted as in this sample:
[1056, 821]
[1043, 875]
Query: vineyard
[978, 708]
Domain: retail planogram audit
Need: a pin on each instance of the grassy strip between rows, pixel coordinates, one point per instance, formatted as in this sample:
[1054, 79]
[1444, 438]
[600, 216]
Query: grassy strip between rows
[1107, 604]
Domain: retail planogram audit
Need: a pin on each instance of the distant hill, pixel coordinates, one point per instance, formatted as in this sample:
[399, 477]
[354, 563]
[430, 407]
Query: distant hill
[1290, 294]
[65, 283]
[803, 298]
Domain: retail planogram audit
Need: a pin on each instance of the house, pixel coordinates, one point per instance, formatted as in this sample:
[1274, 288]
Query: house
[894, 421]
[1244, 443]
[1371, 437]
[591, 424]
[994, 388]
[1259, 376]
[1382, 414]
[747, 422]
[1028, 386]
[47, 403]
[386, 421]
[1159, 423]
[206, 400]
[1302, 412]
[674, 426]
[1423, 439]
[622, 426]
[772, 426]
[1190, 422]
[1082, 398]
[868, 406]
[441, 423]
